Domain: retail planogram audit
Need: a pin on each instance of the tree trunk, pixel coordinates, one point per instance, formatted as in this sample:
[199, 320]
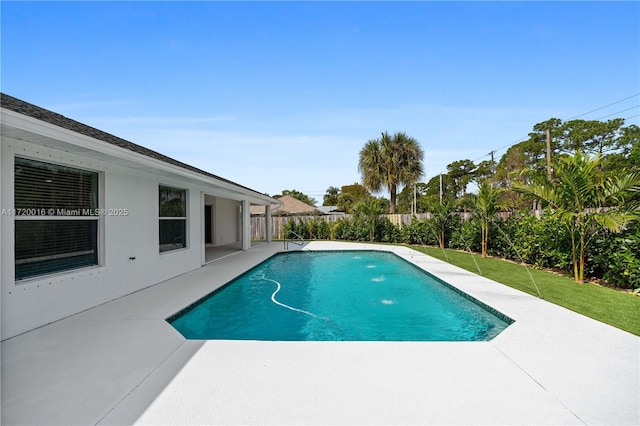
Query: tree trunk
[581, 270]
[576, 274]
[392, 204]
[484, 233]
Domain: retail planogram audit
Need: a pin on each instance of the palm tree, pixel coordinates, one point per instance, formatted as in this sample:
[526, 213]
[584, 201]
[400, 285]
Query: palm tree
[440, 217]
[584, 199]
[331, 196]
[485, 207]
[390, 161]
[370, 210]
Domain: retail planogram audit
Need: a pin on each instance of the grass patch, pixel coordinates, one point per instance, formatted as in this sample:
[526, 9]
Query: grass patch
[617, 308]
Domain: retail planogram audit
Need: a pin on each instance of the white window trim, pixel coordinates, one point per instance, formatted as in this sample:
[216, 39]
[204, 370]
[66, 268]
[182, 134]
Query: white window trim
[185, 218]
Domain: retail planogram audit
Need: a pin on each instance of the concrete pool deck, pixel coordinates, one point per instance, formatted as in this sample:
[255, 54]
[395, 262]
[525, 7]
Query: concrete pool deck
[121, 363]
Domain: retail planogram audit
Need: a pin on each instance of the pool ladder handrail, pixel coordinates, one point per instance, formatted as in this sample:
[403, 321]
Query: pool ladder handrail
[299, 239]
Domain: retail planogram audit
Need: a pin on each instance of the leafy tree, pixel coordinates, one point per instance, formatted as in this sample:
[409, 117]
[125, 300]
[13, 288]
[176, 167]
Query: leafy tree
[634, 151]
[461, 173]
[523, 163]
[553, 125]
[448, 189]
[389, 162]
[351, 194]
[331, 196]
[627, 154]
[486, 170]
[357, 191]
[591, 136]
[405, 198]
[527, 155]
[298, 196]
[585, 201]
[537, 141]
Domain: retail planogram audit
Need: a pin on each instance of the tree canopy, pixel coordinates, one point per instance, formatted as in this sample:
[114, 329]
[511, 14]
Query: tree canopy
[389, 162]
[298, 196]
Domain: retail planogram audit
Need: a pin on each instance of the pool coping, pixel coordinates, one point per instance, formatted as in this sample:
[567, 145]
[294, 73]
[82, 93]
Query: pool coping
[499, 315]
[121, 363]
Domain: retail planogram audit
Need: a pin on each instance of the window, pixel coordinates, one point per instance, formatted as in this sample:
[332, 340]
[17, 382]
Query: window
[56, 218]
[173, 218]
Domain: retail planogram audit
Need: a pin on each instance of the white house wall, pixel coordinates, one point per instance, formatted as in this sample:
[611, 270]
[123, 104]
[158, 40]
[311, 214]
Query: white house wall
[226, 229]
[31, 303]
[225, 220]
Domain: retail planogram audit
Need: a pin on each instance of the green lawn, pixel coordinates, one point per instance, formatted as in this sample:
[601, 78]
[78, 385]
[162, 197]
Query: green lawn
[617, 308]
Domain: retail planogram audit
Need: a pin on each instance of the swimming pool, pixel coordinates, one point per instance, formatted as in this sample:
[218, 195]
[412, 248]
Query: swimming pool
[338, 295]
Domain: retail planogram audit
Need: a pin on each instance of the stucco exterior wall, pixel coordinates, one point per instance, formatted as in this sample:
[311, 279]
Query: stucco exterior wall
[226, 231]
[34, 302]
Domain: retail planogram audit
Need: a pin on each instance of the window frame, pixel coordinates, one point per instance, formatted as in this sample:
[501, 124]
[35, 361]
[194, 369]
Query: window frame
[165, 248]
[49, 215]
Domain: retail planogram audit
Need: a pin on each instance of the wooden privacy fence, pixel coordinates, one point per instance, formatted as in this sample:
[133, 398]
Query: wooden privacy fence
[259, 227]
[259, 231]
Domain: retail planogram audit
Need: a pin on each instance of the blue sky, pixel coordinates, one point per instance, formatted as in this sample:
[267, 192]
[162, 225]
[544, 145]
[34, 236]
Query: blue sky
[283, 95]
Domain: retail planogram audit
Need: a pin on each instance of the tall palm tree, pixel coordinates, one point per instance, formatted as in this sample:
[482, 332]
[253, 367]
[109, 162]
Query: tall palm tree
[584, 199]
[390, 161]
[485, 207]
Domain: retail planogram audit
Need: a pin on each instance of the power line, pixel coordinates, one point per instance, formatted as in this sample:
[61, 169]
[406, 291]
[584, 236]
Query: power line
[501, 148]
[580, 115]
[571, 118]
[598, 109]
[605, 116]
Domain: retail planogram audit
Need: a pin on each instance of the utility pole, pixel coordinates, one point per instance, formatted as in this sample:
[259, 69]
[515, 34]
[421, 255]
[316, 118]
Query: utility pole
[415, 206]
[548, 154]
[440, 188]
[493, 169]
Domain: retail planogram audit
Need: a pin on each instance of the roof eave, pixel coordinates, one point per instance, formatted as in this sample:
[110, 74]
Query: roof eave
[82, 144]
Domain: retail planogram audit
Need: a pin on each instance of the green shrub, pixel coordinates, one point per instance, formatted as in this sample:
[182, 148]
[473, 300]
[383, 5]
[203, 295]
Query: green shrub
[466, 236]
[386, 232]
[351, 229]
[616, 257]
[418, 232]
[541, 242]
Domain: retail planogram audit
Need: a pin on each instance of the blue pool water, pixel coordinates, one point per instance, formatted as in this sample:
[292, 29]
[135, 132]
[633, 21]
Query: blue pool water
[346, 295]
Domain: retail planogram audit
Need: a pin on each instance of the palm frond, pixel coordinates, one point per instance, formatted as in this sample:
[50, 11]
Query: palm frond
[617, 189]
[616, 220]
